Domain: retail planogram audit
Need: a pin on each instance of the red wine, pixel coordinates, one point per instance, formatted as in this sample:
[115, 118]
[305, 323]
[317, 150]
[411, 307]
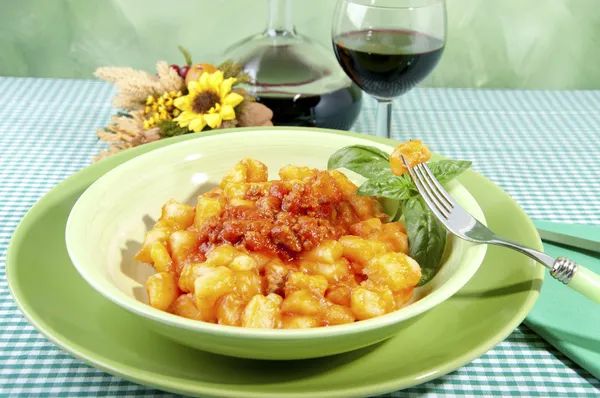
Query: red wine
[334, 110]
[387, 63]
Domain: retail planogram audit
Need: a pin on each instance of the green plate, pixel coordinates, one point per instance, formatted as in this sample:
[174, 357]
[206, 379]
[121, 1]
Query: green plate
[57, 301]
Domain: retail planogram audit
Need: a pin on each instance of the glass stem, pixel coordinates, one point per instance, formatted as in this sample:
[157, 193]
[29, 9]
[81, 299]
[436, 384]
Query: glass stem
[280, 22]
[384, 119]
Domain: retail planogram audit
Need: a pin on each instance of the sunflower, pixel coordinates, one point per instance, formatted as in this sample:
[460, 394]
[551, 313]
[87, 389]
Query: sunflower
[209, 102]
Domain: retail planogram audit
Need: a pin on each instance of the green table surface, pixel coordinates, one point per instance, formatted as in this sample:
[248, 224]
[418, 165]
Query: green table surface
[540, 146]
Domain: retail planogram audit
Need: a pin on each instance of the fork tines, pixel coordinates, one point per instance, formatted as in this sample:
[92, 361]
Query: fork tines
[433, 193]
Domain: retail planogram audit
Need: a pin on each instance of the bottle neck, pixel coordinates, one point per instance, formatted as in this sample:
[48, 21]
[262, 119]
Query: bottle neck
[280, 22]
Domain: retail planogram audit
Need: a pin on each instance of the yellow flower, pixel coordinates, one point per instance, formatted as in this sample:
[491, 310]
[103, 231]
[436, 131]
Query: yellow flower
[160, 108]
[209, 102]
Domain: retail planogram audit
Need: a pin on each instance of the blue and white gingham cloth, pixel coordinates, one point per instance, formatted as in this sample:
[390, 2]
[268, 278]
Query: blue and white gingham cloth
[532, 143]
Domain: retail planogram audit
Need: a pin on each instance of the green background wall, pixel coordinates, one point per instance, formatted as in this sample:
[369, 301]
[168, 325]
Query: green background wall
[535, 44]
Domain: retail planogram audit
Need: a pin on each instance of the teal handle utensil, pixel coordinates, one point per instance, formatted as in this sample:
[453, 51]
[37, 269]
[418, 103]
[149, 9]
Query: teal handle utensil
[585, 237]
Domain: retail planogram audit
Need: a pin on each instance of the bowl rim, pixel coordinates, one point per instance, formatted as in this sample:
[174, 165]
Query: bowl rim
[146, 311]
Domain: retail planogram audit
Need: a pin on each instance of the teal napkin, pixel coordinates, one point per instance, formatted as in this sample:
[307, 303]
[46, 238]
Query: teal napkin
[564, 318]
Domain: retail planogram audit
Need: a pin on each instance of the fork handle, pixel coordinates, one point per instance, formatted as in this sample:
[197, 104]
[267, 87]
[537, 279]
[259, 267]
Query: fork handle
[577, 277]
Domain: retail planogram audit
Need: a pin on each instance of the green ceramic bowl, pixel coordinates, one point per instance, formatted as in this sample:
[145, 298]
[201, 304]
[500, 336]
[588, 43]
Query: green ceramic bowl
[107, 224]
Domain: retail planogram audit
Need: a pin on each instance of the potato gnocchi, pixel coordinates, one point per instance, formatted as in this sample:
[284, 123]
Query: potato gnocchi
[300, 252]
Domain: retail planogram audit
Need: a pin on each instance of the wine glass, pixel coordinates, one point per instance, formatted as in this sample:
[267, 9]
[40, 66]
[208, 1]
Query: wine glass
[387, 47]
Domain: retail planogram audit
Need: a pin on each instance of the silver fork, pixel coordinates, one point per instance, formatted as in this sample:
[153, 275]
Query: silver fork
[458, 221]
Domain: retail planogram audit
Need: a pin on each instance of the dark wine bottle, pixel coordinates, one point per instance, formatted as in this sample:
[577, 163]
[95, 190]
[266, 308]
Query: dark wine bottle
[295, 77]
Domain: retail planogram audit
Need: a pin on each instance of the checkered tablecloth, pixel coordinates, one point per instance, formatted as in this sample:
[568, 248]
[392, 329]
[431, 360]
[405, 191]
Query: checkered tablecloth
[532, 143]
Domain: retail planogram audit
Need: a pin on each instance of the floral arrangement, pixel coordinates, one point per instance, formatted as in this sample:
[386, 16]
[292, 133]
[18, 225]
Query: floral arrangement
[176, 101]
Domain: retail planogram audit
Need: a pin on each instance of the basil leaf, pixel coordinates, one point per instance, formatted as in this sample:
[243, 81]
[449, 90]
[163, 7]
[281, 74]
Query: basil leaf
[365, 160]
[426, 237]
[446, 170]
[388, 186]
